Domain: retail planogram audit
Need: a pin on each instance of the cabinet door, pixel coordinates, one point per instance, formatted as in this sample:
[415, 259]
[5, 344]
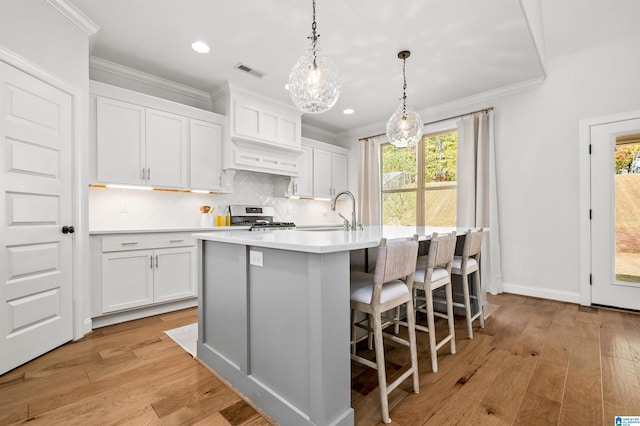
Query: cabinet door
[206, 155]
[120, 141]
[303, 183]
[321, 173]
[175, 273]
[338, 172]
[166, 149]
[246, 118]
[127, 280]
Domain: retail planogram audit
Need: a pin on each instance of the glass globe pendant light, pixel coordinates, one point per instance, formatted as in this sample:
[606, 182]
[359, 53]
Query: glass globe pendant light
[404, 128]
[314, 81]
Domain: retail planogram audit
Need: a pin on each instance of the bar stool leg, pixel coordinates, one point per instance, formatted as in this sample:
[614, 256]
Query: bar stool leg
[432, 330]
[382, 375]
[476, 279]
[353, 331]
[467, 305]
[450, 319]
[413, 345]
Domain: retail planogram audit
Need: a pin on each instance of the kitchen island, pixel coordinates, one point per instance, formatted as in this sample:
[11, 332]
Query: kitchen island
[273, 316]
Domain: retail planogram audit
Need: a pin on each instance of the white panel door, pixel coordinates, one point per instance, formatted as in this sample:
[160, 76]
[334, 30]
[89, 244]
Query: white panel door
[206, 155]
[615, 206]
[35, 203]
[166, 149]
[175, 274]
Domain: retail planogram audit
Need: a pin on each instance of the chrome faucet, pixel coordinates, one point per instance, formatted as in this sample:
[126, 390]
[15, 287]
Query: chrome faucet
[353, 226]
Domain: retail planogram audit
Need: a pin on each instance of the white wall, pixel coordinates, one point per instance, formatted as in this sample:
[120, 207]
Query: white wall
[537, 155]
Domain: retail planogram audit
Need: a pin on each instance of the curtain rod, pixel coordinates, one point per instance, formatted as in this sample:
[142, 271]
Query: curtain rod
[438, 121]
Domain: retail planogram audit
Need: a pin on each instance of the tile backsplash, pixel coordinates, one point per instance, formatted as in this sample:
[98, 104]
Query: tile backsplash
[114, 209]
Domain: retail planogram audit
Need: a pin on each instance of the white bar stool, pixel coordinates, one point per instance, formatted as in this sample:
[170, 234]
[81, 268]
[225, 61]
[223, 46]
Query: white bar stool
[390, 286]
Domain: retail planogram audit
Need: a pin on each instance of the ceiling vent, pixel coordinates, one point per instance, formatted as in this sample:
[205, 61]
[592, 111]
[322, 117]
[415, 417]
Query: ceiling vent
[249, 70]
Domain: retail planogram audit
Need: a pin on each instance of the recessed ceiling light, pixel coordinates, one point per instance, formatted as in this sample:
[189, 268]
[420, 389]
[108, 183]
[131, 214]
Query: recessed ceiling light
[348, 111]
[200, 47]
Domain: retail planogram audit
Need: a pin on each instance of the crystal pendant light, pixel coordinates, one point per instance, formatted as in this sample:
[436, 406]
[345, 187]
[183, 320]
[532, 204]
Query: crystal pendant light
[314, 81]
[404, 128]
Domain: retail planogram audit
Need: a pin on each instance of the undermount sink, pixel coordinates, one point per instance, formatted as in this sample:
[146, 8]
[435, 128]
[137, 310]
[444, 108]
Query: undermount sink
[325, 229]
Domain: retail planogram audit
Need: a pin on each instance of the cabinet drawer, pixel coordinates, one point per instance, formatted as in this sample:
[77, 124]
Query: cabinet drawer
[145, 242]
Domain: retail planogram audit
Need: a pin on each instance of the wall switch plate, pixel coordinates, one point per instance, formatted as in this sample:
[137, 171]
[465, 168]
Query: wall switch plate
[255, 258]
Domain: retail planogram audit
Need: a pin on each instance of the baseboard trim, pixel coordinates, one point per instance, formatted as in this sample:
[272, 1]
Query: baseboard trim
[148, 311]
[543, 293]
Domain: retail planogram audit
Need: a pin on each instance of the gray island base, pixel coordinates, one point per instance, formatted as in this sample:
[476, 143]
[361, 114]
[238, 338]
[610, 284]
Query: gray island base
[273, 317]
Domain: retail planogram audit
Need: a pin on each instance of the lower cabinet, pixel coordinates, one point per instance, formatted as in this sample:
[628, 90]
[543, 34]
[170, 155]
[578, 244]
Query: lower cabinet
[143, 270]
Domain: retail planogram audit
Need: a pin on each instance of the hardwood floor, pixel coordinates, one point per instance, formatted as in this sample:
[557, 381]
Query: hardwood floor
[537, 362]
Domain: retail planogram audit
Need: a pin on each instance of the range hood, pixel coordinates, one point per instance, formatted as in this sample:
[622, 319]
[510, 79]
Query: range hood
[261, 134]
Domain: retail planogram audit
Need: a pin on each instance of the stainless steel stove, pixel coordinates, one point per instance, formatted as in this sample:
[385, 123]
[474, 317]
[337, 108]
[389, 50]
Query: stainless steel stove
[260, 218]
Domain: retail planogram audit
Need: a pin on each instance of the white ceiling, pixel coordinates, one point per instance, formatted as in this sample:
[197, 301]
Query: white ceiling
[458, 48]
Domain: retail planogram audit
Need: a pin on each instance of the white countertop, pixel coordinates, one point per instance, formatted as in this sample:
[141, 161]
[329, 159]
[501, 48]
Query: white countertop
[324, 241]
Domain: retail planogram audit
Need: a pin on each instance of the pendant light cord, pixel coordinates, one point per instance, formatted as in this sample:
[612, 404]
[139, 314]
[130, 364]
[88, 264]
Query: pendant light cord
[314, 36]
[404, 88]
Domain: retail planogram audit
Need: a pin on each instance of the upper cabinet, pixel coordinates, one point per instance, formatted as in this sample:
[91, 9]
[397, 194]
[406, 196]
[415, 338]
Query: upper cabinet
[206, 155]
[323, 172]
[263, 135]
[329, 173]
[143, 140]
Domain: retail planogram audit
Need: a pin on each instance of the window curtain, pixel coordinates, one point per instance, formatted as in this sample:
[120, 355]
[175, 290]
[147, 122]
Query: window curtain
[369, 187]
[477, 204]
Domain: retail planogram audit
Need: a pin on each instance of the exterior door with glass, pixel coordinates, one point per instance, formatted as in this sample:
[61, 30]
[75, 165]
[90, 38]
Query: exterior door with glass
[615, 207]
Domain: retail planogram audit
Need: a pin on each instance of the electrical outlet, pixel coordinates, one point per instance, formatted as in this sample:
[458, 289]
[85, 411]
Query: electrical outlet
[124, 208]
[255, 258]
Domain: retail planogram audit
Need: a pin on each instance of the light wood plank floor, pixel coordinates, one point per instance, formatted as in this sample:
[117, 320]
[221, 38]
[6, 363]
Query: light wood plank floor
[537, 362]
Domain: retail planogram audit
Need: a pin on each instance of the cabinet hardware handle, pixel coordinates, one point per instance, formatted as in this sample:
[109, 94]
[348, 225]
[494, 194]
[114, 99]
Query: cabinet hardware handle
[144, 173]
[129, 244]
[156, 261]
[176, 241]
[149, 173]
[150, 262]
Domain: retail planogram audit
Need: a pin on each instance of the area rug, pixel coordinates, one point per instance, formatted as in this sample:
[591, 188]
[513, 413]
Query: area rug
[186, 337]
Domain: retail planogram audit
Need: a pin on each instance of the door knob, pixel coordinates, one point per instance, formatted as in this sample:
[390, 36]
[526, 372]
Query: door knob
[68, 229]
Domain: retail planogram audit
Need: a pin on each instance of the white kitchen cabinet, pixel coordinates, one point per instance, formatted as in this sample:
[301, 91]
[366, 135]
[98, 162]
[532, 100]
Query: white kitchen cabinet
[166, 149]
[138, 145]
[127, 280]
[120, 142]
[256, 119]
[329, 173]
[206, 155]
[263, 135]
[144, 140]
[302, 185]
[146, 269]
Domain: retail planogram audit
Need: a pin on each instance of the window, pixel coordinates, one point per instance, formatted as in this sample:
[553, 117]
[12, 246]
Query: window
[419, 186]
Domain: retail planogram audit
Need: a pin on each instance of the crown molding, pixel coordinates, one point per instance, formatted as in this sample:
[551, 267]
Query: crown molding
[74, 15]
[133, 74]
[481, 98]
[313, 132]
[453, 107]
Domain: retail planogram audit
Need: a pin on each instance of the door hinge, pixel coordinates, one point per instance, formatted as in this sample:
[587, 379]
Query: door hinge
[590, 279]
[589, 148]
[590, 214]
